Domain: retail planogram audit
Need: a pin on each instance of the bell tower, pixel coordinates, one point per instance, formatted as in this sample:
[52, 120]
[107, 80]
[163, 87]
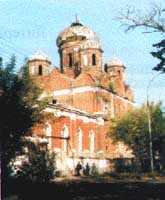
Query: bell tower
[116, 70]
[39, 64]
[79, 49]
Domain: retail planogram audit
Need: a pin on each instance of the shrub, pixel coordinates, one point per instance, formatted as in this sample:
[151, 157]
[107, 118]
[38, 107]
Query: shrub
[111, 87]
[40, 168]
[125, 165]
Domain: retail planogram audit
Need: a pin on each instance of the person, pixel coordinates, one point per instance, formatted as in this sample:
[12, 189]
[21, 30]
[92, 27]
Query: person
[87, 169]
[78, 169]
[94, 171]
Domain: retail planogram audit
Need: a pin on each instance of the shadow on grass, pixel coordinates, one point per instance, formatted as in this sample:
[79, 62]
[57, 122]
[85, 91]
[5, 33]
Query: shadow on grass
[83, 190]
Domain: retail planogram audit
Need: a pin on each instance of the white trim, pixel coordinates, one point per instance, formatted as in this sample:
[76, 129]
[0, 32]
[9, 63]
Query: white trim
[79, 142]
[85, 60]
[65, 132]
[72, 91]
[36, 139]
[74, 116]
[83, 89]
[91, 142]
[57, 150]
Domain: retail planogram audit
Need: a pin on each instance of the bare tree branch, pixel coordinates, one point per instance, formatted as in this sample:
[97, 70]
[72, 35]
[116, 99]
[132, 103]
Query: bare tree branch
[153, 20]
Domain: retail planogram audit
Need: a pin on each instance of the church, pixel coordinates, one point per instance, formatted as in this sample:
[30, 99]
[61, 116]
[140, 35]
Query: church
[85, 95]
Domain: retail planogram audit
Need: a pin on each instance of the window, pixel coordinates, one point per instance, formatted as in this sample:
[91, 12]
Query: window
[70, 59]
[91, 142]
[65, 135]
[48, 134]
[105, 68]
[79, 145]
[40, 70]
[94, 59]
[54, 101]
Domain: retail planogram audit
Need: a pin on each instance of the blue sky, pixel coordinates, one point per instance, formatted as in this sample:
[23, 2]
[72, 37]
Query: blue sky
[35, 24]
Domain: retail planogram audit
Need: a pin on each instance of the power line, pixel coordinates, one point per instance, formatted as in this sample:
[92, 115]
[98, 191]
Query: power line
[2, 54]
[11, 46]
[3, 51]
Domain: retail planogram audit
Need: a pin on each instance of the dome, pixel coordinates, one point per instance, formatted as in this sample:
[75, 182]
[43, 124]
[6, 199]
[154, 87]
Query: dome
[39, 55]
[89, 37]
[115, 62]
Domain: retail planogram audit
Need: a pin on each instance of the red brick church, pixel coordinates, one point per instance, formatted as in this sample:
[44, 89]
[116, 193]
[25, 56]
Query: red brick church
[85, 95]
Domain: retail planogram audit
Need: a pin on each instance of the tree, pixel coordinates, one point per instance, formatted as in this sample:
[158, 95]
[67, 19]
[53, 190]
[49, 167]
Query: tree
[19, 110]
[153, 21]
[160, 54]
[112, 87]
[40, 168]
[132, 129]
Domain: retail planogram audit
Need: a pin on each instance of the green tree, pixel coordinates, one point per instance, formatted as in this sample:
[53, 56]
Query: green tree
[40, 168]
[111, 86]
[19, 110]
[152, 22]
[132, 129]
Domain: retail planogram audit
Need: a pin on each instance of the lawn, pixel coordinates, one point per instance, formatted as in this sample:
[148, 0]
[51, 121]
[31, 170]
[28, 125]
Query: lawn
[86, 190]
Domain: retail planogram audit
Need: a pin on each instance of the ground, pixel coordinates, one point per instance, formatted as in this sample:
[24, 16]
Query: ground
[89, 189]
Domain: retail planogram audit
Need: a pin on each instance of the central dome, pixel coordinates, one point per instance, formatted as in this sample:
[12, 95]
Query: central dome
[77, 31]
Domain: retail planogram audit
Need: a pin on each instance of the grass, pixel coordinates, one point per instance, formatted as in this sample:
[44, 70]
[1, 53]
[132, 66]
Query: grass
[85, 190]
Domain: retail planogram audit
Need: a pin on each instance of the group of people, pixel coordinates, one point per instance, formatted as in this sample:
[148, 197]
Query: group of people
[85, 170]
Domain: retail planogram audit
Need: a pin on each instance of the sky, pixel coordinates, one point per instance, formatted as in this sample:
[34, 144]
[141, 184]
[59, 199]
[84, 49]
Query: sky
[29, 25]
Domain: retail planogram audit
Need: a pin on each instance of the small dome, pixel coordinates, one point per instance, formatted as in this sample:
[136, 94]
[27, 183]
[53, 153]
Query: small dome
[115, 62]
[39, 55]
[77, 29]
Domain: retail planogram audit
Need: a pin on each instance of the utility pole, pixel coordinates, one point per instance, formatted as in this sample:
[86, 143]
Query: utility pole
[150, 137]
[149, 123]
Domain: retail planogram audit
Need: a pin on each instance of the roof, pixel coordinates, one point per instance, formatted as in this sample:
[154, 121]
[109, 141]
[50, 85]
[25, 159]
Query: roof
[39, 55]
[78, 29]
[115, 62]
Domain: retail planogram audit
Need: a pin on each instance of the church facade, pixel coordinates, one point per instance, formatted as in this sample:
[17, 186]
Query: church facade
[86, 95]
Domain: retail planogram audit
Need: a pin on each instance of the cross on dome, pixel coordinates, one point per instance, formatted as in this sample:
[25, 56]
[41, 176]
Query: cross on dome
[77, 21]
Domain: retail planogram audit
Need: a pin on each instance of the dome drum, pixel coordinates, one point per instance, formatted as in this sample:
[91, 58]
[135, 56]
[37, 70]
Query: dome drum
[80, 47]
[78, 32]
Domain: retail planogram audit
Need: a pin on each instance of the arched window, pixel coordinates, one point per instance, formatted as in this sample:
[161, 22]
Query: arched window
[48, 134]
[93, 59]
[40, 70]
[79, 140]
[70, 56]
[105, 68]
[91, 142]
[64, 137]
